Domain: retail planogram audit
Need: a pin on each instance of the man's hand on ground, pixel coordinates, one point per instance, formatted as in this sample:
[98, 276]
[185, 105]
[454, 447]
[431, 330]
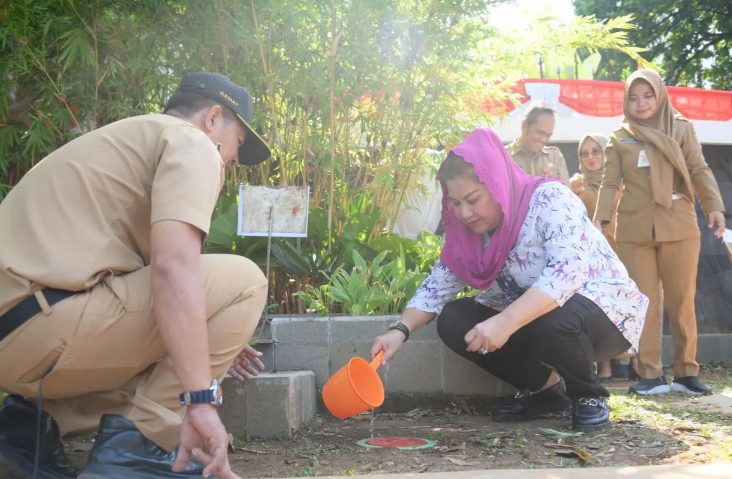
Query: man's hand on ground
[204, 439]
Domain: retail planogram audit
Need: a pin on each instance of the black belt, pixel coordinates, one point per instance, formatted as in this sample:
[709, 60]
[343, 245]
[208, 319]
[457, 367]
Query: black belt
[29, 307]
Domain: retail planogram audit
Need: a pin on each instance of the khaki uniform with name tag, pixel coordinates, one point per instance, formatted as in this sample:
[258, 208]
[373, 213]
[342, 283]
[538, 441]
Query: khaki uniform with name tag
[658, 245]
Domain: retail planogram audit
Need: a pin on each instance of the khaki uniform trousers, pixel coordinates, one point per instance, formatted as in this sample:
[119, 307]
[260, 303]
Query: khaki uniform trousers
[100, 351]
[665, 271]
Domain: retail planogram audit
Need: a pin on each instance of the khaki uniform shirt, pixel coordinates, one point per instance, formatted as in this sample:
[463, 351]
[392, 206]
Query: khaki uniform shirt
[548, 162]
[85, 211]
[641, 219]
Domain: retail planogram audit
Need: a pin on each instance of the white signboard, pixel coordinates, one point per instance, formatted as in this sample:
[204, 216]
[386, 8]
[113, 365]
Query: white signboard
[273, 210]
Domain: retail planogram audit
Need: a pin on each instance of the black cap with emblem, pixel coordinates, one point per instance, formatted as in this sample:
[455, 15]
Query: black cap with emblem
[221, 89]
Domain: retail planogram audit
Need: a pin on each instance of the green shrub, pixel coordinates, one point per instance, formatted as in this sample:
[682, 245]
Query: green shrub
[369, 287]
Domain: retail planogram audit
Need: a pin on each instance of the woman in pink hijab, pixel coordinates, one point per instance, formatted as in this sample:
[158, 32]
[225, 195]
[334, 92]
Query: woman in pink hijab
[553, 297]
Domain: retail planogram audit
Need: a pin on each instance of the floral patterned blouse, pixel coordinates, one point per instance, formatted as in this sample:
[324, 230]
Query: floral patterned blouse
[560, 252]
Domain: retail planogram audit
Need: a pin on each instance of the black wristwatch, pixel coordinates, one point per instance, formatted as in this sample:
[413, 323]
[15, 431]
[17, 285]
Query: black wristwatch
[211, 395]
[398, 325]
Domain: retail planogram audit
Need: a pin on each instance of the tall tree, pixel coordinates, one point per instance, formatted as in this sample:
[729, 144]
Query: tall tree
[690, 39]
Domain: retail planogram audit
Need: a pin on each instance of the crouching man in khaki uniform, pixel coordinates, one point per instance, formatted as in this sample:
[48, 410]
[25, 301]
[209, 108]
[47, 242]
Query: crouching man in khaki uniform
[530, 150]
[108, 308]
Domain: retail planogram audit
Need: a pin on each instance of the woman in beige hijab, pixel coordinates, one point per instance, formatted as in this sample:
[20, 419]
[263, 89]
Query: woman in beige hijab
[655, 154]
[585, 184]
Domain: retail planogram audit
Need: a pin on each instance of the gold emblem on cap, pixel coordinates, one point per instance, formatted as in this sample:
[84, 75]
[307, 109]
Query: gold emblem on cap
[229, 98]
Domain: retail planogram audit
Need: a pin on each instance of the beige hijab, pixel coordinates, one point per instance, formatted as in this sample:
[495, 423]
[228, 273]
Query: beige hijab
[657, 133]
[592, 179]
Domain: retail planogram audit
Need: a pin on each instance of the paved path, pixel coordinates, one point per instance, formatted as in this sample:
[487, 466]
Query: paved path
[720, 403]
[668, 471]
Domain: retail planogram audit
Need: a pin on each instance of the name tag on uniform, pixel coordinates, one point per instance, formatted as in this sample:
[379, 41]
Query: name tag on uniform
[627, 141]
[643, 159]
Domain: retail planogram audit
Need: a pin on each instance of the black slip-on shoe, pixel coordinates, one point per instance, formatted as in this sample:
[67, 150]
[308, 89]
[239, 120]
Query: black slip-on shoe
[590, 414]
[525, 406]
[121, 452]
[691, 385]
[18, 427]
[649, 387]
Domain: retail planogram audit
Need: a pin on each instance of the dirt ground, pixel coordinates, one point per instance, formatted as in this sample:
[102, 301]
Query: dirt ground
[462, 442]
[666, 429]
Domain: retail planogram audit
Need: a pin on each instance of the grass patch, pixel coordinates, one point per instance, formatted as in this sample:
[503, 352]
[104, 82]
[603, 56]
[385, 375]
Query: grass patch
[706, 432]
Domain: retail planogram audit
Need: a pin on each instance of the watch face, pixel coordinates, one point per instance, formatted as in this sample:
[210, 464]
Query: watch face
[218, 393]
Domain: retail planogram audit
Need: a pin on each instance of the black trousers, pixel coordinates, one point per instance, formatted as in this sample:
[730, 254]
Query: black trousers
[569, 339]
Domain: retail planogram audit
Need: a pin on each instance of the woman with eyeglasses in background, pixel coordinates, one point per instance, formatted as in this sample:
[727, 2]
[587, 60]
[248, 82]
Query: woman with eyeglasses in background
[586, 184]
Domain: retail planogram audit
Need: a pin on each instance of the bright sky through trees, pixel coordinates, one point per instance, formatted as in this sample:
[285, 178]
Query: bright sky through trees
[509, 14]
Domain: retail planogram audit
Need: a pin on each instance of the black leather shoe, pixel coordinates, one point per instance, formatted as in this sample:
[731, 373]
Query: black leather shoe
[121, 452]
[18, 426]
[525, 406]
[691, 385]
[590, 414]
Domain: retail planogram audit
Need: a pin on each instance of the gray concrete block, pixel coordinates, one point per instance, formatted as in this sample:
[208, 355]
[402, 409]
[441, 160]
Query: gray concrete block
[464, 377]
[307, 397]
[359, 328]
[300, 330]
[725, 355]
[233, 410]
[427, 333]
[342, 351]
[270, 405]
[709, 347]
[268, 355]
[417, 368]
[714, 348]
[310, 357]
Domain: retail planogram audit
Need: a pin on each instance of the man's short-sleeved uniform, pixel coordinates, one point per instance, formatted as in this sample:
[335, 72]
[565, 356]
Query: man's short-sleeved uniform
[548, 162]
[80, 220]
[87, 208]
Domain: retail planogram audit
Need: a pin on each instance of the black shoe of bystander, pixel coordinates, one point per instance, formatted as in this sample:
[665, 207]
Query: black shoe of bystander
[18, 428]
[691, 385]
[649, 387]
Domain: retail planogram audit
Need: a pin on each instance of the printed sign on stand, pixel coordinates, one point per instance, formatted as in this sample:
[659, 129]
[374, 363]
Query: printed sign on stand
[280, 211]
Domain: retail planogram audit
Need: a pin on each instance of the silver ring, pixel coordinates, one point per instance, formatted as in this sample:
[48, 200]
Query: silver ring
[483, 351]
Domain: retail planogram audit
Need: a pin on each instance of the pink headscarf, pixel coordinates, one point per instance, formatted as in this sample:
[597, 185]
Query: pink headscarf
[511, 187]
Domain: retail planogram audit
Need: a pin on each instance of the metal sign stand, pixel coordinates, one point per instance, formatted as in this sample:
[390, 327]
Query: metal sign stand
[272, 211]
[264, 320]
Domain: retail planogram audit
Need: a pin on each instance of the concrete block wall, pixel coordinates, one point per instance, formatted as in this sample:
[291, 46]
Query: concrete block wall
[424, 367]
[710, 348]
[424, 372]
